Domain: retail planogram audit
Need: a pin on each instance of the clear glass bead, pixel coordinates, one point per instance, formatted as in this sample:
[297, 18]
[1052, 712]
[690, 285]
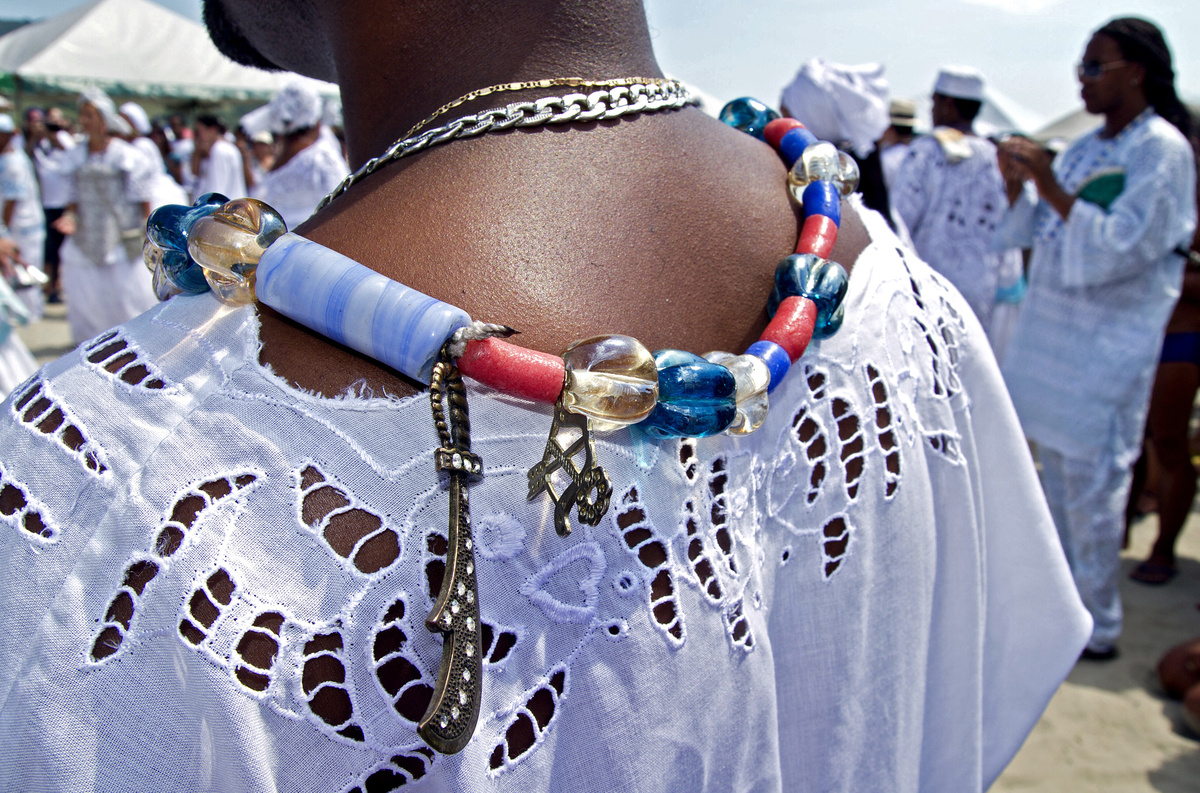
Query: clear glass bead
[752, 377]
[819, 161]
[231, 291]
[611, 379]
[847, 181]
[231, 240]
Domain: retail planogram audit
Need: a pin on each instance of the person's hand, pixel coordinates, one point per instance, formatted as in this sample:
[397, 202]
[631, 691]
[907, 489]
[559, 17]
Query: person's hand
[1035, 160]
[9, 255]
[66, 224]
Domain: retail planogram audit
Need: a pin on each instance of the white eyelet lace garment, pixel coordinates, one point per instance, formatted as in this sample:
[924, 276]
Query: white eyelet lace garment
[952, 208]
[864, 595]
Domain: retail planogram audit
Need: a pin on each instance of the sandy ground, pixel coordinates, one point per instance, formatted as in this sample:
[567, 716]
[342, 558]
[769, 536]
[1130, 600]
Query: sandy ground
[1108, 729]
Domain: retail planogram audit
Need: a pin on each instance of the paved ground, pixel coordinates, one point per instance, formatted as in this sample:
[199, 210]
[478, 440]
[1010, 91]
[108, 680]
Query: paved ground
[1108, 729]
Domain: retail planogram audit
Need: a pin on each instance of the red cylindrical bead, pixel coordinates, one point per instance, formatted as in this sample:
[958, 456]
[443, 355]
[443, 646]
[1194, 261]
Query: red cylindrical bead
[775, 130]
[518, 371]
[817, 236]
[792, 326]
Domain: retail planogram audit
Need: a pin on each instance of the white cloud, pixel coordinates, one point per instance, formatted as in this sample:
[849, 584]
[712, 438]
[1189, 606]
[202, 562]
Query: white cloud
[1017, 6]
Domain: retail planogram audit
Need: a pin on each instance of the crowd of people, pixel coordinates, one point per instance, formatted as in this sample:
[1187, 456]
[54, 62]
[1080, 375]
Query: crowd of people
[77, 195]
[877, 589]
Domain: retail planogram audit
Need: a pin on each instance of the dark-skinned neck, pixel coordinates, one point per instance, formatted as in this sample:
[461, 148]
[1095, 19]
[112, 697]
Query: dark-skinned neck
[665, 226]
[1116, 119]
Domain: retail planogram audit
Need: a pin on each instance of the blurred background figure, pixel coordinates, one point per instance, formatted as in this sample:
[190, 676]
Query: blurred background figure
[1104, 220]
[50, 142]
[164, 190]
[216, 162]
[309, 161]
[16, 363]
[21, 211]
[848, 106]
[104, 280]
[893, 146]
[183, 144]
[949, 192]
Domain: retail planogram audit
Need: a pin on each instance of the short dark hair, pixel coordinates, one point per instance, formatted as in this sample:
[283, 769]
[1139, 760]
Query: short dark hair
[209, 120]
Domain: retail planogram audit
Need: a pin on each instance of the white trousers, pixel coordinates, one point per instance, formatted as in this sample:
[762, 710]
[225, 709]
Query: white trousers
[1087, 501]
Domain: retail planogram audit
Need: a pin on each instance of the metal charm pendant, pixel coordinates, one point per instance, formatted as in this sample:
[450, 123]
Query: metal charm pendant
[450, 719]
[589, 488]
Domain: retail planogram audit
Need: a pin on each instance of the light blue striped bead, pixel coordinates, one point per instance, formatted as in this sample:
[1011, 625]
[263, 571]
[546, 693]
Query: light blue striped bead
[342, 300]
[775, 357]
[794, 142]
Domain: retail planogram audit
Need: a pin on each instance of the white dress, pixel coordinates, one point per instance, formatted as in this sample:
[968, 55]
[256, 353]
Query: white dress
[163, 189]
[295, 188]
[952, 203]
[864, 595]
[104, 280]
[16, 363]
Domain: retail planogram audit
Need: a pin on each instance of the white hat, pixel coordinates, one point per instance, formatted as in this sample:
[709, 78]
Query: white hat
[960, 82]
[840, 103]
[6, 124]
[136, 116]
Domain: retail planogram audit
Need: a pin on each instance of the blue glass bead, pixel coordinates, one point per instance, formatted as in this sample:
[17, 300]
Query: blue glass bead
[776, 359]
[822, 198]
[749, 115]
[820, 280]
[825, 327]
[168, 227]
[342, 300]
[695, 398]
[793, 143]
[688, 421]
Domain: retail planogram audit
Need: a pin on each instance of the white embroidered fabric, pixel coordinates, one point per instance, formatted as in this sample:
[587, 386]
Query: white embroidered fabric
[952, 210]
[220, 583]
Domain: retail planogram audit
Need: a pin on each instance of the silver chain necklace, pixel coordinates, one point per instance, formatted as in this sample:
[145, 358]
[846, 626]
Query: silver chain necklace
[595, 106]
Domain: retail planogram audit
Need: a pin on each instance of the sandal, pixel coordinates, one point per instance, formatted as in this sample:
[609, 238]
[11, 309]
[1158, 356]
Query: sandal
[1153, 573]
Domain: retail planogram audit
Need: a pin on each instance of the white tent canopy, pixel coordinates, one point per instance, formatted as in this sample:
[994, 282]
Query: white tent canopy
[130, 48]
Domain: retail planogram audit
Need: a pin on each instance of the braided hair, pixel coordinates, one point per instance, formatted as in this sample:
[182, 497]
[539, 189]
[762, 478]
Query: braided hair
[1142, 42]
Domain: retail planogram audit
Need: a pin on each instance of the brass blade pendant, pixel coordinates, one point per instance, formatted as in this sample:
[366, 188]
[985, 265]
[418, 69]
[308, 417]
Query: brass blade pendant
[450, 719]
[589, 488]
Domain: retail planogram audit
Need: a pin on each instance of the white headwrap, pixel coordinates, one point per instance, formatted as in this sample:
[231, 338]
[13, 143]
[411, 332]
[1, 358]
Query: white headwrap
[331, 111]
[841, 103]
[294, 107]
[136, 116]
[104, 105]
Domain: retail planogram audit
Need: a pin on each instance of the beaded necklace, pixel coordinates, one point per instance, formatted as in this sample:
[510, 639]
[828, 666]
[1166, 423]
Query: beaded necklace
[242, 251]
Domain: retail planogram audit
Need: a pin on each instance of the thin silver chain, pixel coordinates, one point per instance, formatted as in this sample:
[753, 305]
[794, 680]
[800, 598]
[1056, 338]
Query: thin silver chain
[596, 106]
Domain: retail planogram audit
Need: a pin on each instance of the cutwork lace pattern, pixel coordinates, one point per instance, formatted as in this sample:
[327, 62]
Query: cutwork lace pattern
[301, 579]
[114, 355]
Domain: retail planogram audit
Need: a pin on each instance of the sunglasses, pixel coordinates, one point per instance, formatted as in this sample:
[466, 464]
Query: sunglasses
[1094, 70]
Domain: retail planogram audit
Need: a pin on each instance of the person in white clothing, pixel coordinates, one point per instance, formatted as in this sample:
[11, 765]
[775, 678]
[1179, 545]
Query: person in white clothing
[949, 191]
[21, 210]
[309, 163]
[165, 190]
[1106, 220]
[103, 278]
[216, 162]
[225, 581]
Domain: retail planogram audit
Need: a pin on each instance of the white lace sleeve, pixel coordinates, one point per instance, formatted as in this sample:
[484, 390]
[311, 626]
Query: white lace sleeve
[1155, 213]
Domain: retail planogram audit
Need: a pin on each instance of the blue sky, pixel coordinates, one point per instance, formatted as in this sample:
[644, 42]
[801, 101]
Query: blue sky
[1025, 48]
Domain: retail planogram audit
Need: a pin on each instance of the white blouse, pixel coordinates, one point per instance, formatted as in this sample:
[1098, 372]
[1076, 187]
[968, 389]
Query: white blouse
[866, 594]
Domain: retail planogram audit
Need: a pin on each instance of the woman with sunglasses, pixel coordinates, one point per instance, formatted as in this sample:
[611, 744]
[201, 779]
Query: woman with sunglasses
[1104, 221]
